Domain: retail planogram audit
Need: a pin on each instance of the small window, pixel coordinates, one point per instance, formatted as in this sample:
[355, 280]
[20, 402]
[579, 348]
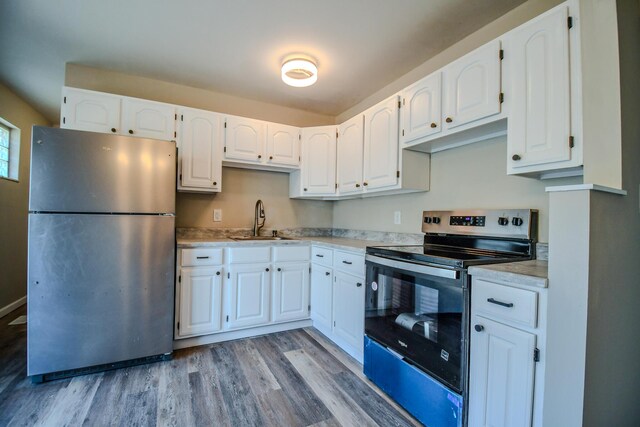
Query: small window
[4, 151]
[9, 150]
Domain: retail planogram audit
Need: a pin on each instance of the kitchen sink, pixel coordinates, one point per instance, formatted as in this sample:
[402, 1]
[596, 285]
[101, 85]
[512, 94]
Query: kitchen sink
[245, 238]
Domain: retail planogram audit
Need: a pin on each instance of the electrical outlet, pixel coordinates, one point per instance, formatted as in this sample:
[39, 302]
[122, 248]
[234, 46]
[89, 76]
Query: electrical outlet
[397, 217]
[217, 215]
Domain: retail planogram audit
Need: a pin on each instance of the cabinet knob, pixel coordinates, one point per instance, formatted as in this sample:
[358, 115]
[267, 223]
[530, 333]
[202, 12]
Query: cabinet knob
[305, 189]
[327, 273]
[215, 183]
[217, 273]
[270, 157]
[266, 269]
[448, 120]
[479, 328]
[516, 157]
[358, 284]
[433, 125]
[259, 156]
[365, 183]
[130, 132]
[113, 130]
[279, 269]
[357, 185]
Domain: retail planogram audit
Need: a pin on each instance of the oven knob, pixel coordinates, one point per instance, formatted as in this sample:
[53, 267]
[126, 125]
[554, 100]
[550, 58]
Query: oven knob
[436, 220]
[427, 219]
[517, 221]
[503, 220]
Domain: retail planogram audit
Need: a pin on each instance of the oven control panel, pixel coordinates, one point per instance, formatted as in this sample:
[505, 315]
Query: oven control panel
[511, 223]
[470, 221]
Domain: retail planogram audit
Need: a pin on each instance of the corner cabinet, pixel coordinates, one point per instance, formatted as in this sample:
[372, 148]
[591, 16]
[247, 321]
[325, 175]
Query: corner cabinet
[199, 151]
[290, 291]
[317, 174]
[537, 68]
[507, 350]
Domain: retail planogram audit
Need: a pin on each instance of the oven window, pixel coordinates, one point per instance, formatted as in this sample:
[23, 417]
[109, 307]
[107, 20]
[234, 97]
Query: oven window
[420, 317]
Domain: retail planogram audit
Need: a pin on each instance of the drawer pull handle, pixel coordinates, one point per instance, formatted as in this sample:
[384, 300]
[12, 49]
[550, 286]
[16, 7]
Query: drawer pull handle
[347, 262]
[202, 257]
[327, 273]
[320, 256]
[504, 304]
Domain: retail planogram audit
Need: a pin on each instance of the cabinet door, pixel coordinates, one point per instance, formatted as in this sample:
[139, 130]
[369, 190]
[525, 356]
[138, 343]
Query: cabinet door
[291, 291]
[321, 296]
[350, 155]
[421, 109]
[200, 301]
[148, 119]
[283, 145]
[319, 160]
[501, 375]
[249, 295]
[472, 86]
[90, 111]
[539, 122]
[244, 139]
[381, 145]
[348, 309]
[199, 143]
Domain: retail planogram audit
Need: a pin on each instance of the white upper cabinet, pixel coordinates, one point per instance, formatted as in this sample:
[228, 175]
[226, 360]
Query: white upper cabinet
[472, 86]
[199, 151]
[421, 108]
[318, 167]
[244, 139]
[381, 145]
[148, 119]
[283, 145]
[90, 111]
[537, 63]
[350, 155]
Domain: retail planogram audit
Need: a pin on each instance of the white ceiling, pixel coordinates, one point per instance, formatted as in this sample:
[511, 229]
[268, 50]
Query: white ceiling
[234, 47]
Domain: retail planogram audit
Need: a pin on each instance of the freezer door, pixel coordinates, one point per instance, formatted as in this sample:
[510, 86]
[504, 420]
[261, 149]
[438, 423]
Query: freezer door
[100, 289]
[76, 171]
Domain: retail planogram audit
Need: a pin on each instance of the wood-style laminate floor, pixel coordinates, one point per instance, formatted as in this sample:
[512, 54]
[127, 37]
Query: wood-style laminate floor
[294, 378]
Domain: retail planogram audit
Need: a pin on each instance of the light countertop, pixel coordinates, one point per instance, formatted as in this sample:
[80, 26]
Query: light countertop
[529, 273]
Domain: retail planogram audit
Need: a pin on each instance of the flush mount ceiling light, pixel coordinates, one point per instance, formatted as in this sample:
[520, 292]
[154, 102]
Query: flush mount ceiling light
[299, 72]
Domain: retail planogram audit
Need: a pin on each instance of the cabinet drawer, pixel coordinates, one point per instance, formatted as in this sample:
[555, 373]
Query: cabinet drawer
[348, 262]
[290, 253]
[504, 303]
[322, 256]
[252, 254]
[201, 256]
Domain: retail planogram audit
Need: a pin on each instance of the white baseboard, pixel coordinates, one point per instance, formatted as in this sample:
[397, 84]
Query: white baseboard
[9, 308]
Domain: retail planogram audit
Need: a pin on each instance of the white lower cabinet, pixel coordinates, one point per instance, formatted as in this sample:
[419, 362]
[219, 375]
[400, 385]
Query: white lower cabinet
[337, 297]
[506, 358]
[200, 293]
[290, 291]
[348, 309]
[321, 296]
[249, 292]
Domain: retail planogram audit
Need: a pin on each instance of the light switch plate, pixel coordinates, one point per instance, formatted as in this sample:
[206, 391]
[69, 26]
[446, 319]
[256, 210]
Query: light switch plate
[217, 215]
[397, 217]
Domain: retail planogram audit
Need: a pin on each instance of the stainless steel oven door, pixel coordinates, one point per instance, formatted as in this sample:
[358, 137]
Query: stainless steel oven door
[420, 312]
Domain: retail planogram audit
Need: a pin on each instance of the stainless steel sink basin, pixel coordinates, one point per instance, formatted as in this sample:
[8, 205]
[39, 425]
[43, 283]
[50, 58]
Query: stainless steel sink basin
[246, 238]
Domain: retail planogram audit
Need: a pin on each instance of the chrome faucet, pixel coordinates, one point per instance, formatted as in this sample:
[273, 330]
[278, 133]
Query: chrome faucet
[257, 224]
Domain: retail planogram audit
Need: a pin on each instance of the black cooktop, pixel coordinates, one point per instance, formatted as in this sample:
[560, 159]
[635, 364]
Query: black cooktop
[451, 256]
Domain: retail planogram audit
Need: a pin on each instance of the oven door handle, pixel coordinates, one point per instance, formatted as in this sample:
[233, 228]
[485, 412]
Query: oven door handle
[416, 268]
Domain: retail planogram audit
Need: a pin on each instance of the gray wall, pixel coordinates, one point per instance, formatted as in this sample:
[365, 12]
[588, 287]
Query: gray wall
[14, 202]
[612, 379]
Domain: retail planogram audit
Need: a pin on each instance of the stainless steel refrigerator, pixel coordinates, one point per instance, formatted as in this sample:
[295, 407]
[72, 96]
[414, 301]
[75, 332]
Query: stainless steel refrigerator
[101, 251]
